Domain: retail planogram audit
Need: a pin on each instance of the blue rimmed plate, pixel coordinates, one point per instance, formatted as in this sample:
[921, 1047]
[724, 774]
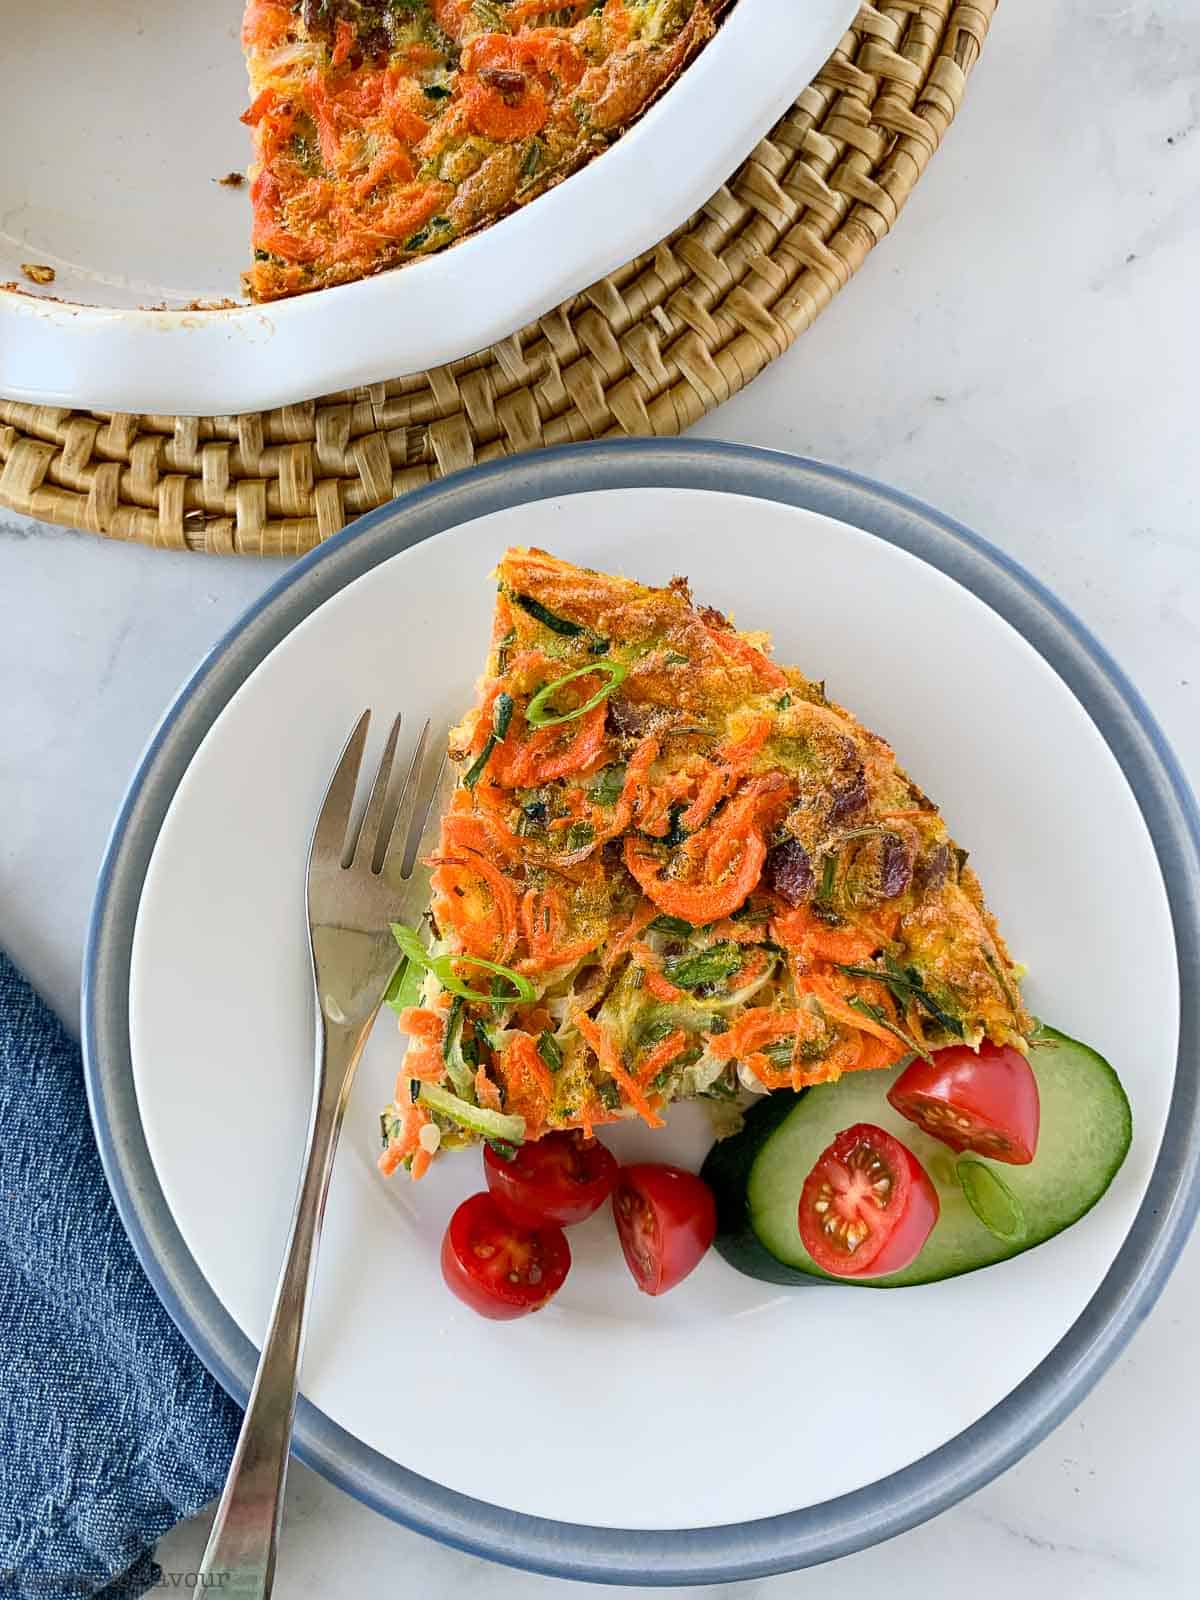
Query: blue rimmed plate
[733, 1429]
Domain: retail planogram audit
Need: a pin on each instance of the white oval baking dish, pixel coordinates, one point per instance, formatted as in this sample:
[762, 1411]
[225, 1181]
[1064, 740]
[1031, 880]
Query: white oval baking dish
[109, 155]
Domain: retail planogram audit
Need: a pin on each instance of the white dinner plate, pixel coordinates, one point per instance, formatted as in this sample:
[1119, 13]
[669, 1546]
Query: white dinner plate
[117, 119]
[730, 1400]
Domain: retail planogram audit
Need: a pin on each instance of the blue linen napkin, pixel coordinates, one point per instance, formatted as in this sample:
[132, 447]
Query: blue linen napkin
[111, 1431]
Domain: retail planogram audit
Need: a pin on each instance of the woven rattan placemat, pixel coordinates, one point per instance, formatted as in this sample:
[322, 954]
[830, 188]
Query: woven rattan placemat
[648, 350]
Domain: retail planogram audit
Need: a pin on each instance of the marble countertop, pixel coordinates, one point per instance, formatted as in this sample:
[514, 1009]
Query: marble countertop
[1023, 354]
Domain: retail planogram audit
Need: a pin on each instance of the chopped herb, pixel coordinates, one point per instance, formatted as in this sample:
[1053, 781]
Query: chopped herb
[475, 771]
[674, 659]
[606, 791]
[905, 985]
[548, 619]
[383, 1128]
[502, 715]
[663, 1078]
[879, 1015]
[675, 834]
[506, 1152]
[828, 879]
[454, 1021]
[718, 1024]
[600, 647]
[414, 1090]
[675, 925]
[470, 1052]
[550, 1051]
[750, 913]
[436, 91]
[452, 1053]
[502, 712]
[780, 1051]
[783, 702]
[580, 834]
[714, 965]
[610, 1095]
[532, 159]
[654, 1032]
[1003, 980]
[435, 225]
[721, 1089]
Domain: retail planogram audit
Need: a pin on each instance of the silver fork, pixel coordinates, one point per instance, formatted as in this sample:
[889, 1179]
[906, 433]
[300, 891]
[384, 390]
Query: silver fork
[356, 886]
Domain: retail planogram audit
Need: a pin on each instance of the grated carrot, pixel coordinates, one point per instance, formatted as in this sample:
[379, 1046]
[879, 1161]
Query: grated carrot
[734, 759]
[422, 1023]
[456, 914]
[642, 916]
[486, 1092]
[837, 1009]
[609, 1058]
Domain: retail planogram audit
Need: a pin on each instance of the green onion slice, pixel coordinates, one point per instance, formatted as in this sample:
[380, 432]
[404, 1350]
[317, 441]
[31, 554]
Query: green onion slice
[991, 1199]
[404, 990]
[443, 966]
[537, 714]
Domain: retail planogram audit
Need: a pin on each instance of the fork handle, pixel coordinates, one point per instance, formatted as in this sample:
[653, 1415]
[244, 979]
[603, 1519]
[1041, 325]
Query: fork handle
[241, 1547]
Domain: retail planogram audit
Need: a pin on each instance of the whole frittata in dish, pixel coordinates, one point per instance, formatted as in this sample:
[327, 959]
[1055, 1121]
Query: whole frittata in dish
[671, 868]
[387, 129]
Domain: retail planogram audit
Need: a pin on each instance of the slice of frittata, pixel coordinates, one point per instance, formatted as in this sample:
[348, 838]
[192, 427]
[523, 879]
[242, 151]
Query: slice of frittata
[671, 868]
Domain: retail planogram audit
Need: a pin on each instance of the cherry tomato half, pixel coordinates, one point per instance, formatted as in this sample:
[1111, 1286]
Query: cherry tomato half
[561, 1178]
[867, 1206]
[985, 1101]
[666, 1219]
[497, 1268]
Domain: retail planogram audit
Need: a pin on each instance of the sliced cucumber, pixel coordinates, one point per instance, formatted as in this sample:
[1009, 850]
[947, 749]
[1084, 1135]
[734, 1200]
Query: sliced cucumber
[758, 1174]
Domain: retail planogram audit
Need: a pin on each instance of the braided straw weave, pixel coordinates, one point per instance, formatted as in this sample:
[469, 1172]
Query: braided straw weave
[648, 350]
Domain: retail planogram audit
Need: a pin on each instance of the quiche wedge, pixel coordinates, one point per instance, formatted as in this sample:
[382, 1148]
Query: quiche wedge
[385, 130]
[671, 868]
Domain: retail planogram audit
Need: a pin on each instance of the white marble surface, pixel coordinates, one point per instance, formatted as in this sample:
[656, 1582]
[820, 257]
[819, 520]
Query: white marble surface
[1023, 353]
